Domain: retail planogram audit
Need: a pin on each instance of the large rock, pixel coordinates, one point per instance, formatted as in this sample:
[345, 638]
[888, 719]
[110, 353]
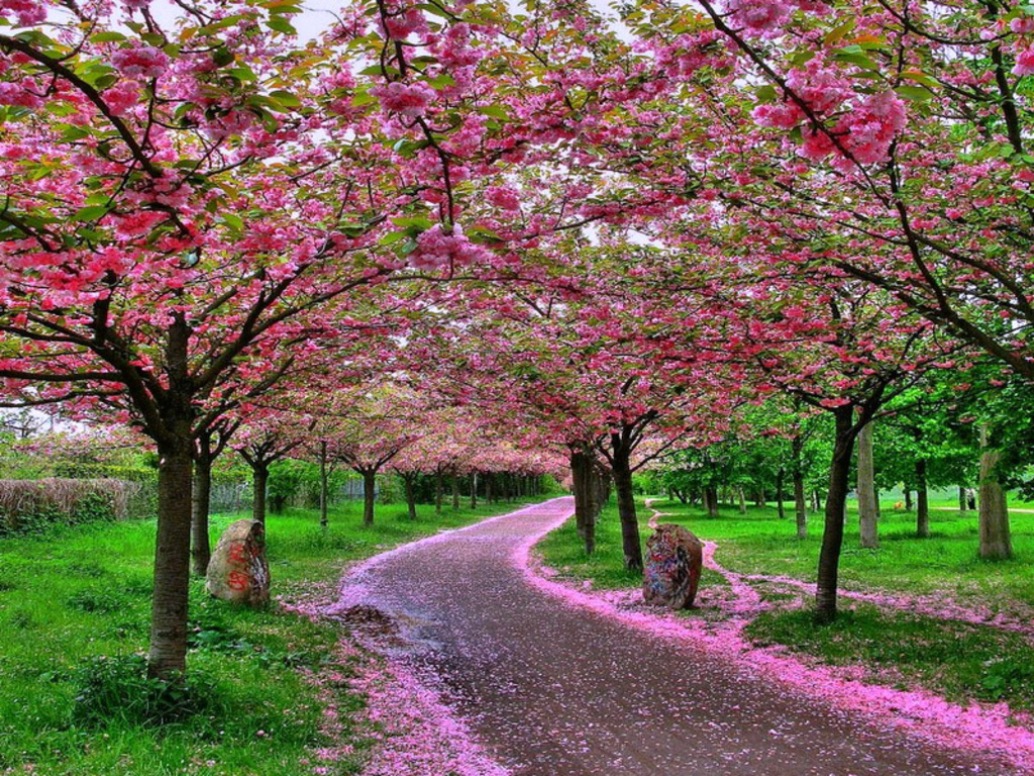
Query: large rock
[674, 560]
[238, 570]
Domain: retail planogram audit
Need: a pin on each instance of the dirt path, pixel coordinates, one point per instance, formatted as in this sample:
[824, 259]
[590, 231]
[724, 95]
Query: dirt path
[551, 688]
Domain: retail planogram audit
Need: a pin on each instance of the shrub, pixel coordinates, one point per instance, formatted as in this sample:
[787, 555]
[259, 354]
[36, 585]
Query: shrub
[28, 506]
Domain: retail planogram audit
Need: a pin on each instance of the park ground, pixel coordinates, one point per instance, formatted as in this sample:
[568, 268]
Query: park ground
[279, 693]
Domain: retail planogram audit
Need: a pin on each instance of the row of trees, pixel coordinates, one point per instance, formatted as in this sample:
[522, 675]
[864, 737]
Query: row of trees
[614, 244]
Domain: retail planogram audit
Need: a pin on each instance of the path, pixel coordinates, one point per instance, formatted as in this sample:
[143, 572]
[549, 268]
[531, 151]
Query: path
[556, 690]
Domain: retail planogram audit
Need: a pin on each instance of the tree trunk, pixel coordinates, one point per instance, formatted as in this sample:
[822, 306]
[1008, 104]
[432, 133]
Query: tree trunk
[779, 483]
[455, 482]
[995, 540]
[630, 542]
[407, 479]
[711, 500]
[489, 492]
[260, 480]
[922, 501]
[474, 490]
[167, 656]
[369, 495]
[741, 496]
[962, 499]
[324, 485]
[200, 542]
[868, 511]
[833, 528]
[908, 499]
[438, 492]
[800, 501]
[582, 470]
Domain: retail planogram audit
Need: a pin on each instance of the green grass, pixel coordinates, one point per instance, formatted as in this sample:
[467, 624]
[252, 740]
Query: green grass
[760, 543]
[74, 594]
[960, 661]
[956, 660]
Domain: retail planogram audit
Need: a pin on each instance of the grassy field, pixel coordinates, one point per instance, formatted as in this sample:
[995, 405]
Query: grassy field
[74, 617]
[957, 660]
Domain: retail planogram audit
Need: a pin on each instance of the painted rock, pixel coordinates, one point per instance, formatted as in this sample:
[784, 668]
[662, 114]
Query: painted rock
[674, 560]
[238, 570]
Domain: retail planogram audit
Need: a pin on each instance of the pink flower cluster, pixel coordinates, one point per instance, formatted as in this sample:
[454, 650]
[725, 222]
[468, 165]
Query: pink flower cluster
[503, 197]
[866, 131]
[408, 99]
[436, 248]
[19, 94]
[401, 25]
[27, 11]
[758, 14]
[140, 62]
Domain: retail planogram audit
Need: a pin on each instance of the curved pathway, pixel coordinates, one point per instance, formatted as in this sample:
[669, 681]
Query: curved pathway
[551, 690]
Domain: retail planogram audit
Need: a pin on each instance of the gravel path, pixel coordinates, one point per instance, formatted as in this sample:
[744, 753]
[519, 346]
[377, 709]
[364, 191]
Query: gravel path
[554, 690]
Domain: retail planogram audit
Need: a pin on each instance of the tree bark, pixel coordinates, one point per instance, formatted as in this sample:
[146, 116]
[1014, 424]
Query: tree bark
[742, 498]
[780, 495]
[995, 539]
[200, 541]
[407, 480]
[908, 499]
[474, 490]
[868, 509]
[922, 501]
[711, 500]
[369, 494]
[800, 501]
[582, 470]
[324, 484]
[438, 492]
[260, 481]
[455, 482]
[630, 541]
[833, 528]
[962, 499]
[167, 656]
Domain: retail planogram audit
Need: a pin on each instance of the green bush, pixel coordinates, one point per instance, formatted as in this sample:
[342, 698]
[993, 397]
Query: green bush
[118, 689]
[29, 506]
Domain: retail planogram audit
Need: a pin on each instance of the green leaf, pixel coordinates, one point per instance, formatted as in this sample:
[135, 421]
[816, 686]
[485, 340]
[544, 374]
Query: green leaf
[233, 221]
[855, 55]
[285, 98]
[363, 98]
[435, 10]
[222, 56]
[91, 213]
[495, 112]
[281, 24]
[913, 92]
[221, 24]
[108, 37]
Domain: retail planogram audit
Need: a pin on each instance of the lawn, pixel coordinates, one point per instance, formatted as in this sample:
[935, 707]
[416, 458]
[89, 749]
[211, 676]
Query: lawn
[74, 618]
[960, 661]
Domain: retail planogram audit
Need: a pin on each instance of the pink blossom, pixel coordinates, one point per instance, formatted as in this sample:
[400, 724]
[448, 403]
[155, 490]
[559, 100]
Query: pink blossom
[27, 11]
[18, 94]
[436, 248]
[817, 145]
[122, 96]
[142, 62]
[408, 99]
[402, 26]
[1024, 62]
[503, 197]
[782, 116]
[1022, 25]
[758, 14]
[872, 127]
